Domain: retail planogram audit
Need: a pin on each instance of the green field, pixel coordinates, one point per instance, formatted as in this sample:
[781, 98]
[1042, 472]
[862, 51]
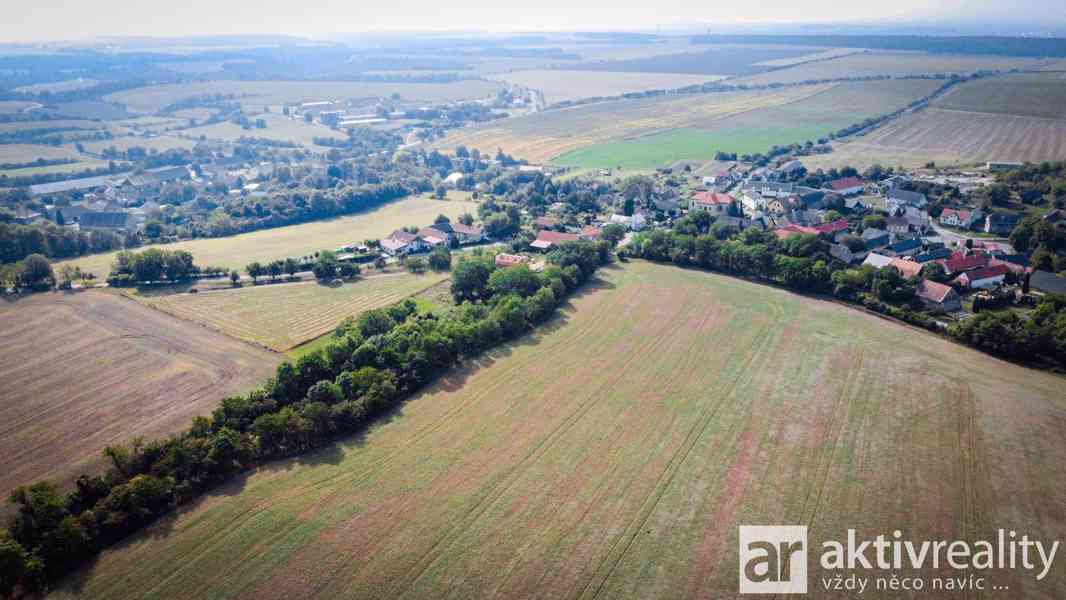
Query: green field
[613, 454]
[757, 130]
[284, 315]
[234, 252]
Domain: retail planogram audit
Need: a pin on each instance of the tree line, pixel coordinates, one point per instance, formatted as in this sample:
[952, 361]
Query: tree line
[372, 364]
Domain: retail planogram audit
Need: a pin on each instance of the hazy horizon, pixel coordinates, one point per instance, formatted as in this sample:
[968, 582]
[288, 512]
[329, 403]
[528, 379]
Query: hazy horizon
[46, 22]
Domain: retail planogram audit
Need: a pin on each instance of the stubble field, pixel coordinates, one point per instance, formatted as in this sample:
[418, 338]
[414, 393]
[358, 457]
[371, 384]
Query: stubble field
[83, 371]
[284, 315]
[561, 85]
[614, 453]
[265, 245]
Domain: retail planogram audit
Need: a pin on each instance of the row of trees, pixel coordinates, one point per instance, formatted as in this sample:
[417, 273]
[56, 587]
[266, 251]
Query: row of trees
[52, 241]
[150, 266]
[370, 365]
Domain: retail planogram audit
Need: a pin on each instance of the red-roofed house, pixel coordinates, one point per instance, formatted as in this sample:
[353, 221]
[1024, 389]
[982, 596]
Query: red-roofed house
[847, 186]
[468, 234]
[937, 296]
[956, 217]
[546, 239]
[906, 268]
[715, 202]
[987, 277]
[792, 229]
[959, 263]
[591, 232]
[832, 226]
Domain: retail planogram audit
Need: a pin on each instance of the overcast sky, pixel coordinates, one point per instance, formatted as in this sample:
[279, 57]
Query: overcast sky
[69, 19]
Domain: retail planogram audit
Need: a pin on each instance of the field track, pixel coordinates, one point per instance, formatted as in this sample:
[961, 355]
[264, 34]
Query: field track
[613, 453]
[82, 371]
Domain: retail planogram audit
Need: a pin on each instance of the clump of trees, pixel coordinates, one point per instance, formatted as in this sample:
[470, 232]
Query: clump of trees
[370, 365]
[151, 266]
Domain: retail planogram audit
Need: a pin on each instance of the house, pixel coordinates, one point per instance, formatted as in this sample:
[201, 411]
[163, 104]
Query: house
[897, 225]
[1001, 223]
[842, 253]
[902, 248]
[402, 243]
[877, 261]
[876, 238]
[957, 217]
[453, 179]
[906, 268]
[985, 278]
[1047, 282]
[635, 222]
[847, 186]
[896, 199]
[832, 226]
[770, 189]
[467, 234]
[715, 202]
[960, 263]
[511, 260]
[938, 297]
[435, 236]
[590, 232]
[546, 239]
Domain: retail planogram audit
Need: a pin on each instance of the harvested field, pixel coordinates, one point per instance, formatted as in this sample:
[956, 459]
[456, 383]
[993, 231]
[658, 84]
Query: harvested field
[234, 252]
[1025, 95]
[254, 95]
[278, 127]
[283, 315]
[758, 130]
[25, 153]
[160, 143]
[951, 137]
[83, 371]
[805, 58]
[542, 136]
[718, 59]
[894, 64]
[614, 453]
[560, 86]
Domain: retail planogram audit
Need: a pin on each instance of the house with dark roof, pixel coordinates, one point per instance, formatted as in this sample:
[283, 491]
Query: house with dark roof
[1047, 282]
[1001, 223]
[104, 220]
[932, 255]
[897, 198]
[938, 297]
[875, 238]
[902, 248]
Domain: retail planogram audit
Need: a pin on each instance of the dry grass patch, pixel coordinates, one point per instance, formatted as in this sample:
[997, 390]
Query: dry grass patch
[284, 315]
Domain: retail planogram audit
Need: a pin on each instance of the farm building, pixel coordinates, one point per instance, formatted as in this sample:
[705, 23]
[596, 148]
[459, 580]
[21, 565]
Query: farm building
[402, 243]
[937, 296]
[546, 239]
[714, 202]
[847, 186]
[985, 278]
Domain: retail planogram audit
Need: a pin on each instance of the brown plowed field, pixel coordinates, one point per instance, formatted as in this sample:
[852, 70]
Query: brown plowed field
[82, 371]
[614, 453]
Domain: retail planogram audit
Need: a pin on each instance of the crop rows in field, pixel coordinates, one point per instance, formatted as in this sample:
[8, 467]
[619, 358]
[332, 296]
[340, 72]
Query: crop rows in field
[82, 371]
[614, 453]
[281, 316]
[1024, 95]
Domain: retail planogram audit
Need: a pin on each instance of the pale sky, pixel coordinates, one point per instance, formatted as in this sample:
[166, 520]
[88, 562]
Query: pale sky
[40, 20]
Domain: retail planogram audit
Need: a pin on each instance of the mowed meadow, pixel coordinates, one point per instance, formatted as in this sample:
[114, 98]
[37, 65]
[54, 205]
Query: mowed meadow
[614, 452]
[265, 245]
[81, 371]
[284, 315]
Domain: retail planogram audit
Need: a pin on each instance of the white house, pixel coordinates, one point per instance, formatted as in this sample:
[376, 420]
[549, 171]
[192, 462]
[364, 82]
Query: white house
[634, 223]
